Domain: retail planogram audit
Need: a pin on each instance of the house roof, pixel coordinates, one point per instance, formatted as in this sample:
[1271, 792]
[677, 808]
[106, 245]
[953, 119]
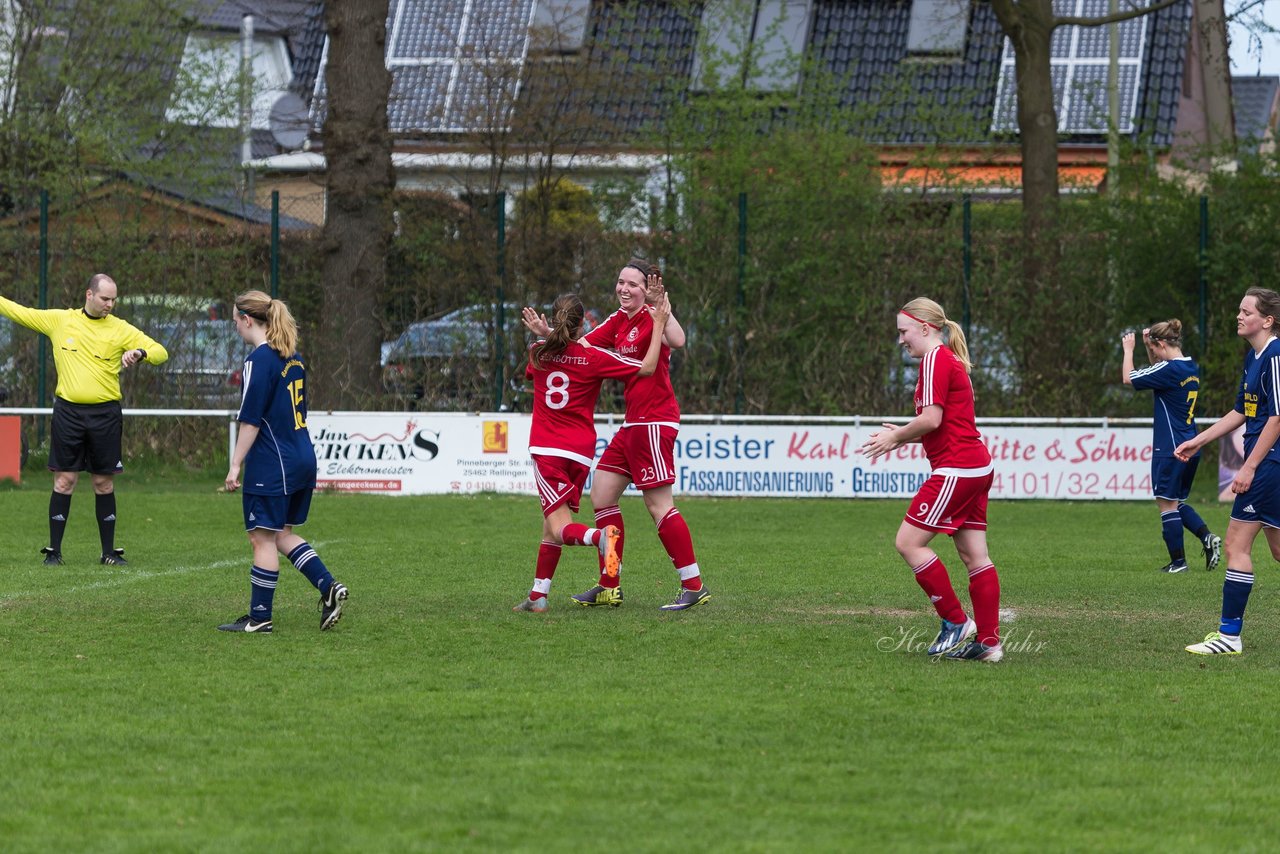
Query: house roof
[278, 17]
[646, 51]
[228, 206]
[864, 43]
[215, 208]
[1255, 102]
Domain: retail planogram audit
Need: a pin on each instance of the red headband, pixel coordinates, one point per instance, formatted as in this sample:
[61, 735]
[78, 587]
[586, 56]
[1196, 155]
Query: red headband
[918, 320]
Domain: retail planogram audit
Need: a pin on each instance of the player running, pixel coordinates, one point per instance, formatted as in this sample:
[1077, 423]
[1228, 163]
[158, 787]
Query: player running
[1175, 383]
[953, 501]
[567, 373]
[279, 462]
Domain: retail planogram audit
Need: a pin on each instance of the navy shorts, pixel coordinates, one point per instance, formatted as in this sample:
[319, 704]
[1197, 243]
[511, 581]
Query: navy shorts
[86, 437]
[276, 512]
[1171, 478]
[1262, 502]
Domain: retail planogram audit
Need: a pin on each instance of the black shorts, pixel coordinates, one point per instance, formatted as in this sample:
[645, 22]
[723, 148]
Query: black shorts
[86, 437]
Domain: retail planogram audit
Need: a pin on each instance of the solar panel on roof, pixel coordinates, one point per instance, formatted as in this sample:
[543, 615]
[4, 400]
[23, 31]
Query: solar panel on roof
[421, 29]
[1078, 60]
[419, 92]
[456, 65]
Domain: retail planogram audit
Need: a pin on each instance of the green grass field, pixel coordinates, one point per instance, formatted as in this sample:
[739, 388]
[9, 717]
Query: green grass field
[782, 716]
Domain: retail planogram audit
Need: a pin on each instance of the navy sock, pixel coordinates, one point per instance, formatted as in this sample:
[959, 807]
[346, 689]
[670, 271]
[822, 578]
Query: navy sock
[1171, 529]
[105, 507]
[1192, 522]
[262, 590]
[59, 510]
[306, 561]
[1235, 596]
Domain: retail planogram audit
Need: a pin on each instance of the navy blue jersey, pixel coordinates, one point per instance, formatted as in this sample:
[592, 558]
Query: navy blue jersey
[282, 459]
[1259, 396]
[1176, 385]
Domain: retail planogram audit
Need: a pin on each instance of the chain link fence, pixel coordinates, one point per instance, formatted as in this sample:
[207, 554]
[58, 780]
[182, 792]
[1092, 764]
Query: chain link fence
[788, 303]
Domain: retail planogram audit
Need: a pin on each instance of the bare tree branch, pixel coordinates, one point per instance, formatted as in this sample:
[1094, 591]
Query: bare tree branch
[1116, 18]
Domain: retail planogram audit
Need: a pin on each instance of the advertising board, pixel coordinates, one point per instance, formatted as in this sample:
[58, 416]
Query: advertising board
[435, 453]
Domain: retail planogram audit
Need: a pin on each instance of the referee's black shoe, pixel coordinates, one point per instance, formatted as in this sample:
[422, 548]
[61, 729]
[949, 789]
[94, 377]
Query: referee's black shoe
[52, 556]
[115, 557]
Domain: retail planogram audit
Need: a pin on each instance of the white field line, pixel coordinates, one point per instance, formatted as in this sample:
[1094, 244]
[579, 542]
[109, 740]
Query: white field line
[129, 576]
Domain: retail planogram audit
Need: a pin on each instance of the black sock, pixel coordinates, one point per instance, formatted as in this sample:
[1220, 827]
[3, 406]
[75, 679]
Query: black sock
[59, 510]
[106, 509]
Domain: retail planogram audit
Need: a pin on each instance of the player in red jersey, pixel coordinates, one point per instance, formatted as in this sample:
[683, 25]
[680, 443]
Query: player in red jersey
[643, 451]
[567, 373]
[953, 500]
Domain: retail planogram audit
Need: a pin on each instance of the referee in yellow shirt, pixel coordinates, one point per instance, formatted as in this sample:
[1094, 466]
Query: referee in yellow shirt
[89, 349]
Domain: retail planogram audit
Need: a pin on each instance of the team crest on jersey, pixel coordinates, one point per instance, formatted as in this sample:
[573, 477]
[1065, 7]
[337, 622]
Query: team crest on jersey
[631, 336]
[495, 438]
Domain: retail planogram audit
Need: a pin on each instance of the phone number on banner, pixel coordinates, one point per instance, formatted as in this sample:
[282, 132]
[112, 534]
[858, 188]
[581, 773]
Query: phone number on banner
[1070, 484]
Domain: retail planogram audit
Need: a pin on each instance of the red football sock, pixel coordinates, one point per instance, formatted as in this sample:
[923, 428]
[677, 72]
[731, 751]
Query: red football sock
[545, 569]
[934, 581]
[674, 533]
[611, 516]
[576, 534]
[984, 592]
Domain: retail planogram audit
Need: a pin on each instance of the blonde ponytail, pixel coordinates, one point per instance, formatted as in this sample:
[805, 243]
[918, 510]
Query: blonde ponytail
[282, 329]
[927, 311]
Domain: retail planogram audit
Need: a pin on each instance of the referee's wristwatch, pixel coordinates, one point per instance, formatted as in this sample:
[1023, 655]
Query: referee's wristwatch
[143, 352]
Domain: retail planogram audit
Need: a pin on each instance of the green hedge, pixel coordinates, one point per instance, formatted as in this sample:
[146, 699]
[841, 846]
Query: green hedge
[790, 314]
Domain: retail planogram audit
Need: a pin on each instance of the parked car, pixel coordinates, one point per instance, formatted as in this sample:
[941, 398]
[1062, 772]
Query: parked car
[444, 359]
[206, 360]
[447, 362]
[8, 344]
[206, 354]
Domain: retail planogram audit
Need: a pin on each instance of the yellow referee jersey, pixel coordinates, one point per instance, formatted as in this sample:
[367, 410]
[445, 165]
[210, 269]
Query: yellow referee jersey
[86, 350]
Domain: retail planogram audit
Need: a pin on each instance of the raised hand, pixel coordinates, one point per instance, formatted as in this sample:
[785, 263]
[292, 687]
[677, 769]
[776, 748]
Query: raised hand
[534, 322]
[653, 287]
[661, 309]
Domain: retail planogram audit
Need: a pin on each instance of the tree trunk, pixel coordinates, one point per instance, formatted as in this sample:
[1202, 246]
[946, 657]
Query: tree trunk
[1029, 26]
[358, 185]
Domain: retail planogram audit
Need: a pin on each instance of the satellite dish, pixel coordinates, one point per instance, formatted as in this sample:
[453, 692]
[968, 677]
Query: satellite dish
[290, 121]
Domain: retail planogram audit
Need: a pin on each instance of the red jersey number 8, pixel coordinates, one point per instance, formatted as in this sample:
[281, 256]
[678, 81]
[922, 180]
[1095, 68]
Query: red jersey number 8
[557, 395]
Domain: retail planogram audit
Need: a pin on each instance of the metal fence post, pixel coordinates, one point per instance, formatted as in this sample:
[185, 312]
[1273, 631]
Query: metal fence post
[499, 343]
[968, 261]
[740, 397]
[43, 302]
[275, 244]
[1204, 274]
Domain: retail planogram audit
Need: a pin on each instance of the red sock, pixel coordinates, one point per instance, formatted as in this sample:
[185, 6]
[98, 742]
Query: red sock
[984, 592]
[611, 516]
[545, 569]
[575, 534]
[934, 581]
[674, 533]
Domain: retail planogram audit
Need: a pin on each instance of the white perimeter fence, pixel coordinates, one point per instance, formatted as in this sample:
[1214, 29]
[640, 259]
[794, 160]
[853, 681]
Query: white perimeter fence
[406, 453]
